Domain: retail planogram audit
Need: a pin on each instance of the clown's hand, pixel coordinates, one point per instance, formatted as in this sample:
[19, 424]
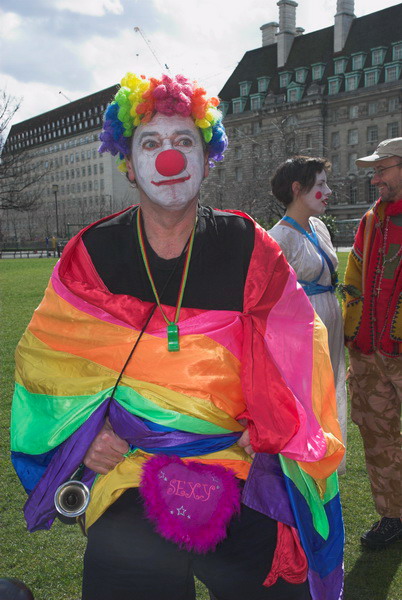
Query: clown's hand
[244, 442]
[106, 451]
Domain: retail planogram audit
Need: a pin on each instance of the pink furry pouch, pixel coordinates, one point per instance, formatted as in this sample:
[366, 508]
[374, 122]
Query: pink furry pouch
[190, 503]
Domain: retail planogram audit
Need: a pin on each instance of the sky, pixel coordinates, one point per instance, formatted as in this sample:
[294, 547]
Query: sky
[56, 51]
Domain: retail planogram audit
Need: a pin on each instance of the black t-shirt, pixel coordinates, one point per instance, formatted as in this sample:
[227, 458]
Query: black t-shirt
[219, 263]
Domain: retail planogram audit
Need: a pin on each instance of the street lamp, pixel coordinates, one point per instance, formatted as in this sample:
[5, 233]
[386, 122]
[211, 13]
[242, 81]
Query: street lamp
[55, 189]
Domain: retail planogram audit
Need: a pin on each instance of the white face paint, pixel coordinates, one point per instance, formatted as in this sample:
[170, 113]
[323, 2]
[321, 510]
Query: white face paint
[170, 179]
[315, 201]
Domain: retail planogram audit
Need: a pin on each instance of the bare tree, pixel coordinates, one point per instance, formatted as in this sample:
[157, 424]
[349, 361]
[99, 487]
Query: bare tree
[250, 189]
[21, 179]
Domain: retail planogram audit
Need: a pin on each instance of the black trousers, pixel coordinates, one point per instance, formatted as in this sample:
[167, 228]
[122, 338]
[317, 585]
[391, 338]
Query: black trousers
[126, 559]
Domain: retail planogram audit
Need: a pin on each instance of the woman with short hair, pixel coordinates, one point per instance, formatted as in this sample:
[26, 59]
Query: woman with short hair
[300, 184]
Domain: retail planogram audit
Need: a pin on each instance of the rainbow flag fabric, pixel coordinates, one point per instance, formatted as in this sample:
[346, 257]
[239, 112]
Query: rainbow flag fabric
[268, 364]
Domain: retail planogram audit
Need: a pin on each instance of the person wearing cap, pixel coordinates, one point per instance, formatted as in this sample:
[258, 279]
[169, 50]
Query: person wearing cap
[373, 332]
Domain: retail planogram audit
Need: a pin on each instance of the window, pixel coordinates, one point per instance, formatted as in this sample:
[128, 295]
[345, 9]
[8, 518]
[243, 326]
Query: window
[222, 175]
[334, 84]
[351, 81]
[353, 136]
[95, 169]
[83, 172]
[392, 72]
[397, 51]
[239, 174]
[372, 192]
[340, 65]
[358, 61]
[353, 111]
[309, 141]
[317, 71]
[353, 194]
[335, 163]
[301, 75]
[238, 153]
[290, 145]
[293, 95]
[256, 127]
[245, 88]
[335, 139]
[101, 168]
[263, 83]
[377, 56]
[372, 134]
[89, 170]
[352, 162]
[372, 108]
[393, 104]
[238, 105]
[255, 102]
[284, 79]
[371, 77]
[393, 130]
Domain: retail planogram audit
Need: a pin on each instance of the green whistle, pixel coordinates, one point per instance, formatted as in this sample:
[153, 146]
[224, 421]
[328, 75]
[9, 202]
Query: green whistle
[173, 337]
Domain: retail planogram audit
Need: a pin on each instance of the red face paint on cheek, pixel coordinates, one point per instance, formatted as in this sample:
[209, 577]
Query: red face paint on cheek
[318, 195]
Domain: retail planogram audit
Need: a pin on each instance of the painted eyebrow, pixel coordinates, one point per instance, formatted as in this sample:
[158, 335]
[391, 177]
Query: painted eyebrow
[157, 133]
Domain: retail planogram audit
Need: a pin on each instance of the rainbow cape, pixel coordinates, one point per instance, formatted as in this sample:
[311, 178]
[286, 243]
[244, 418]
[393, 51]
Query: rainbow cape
[268, 364]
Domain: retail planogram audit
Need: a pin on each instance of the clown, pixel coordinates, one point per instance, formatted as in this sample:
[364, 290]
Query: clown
[163, 359]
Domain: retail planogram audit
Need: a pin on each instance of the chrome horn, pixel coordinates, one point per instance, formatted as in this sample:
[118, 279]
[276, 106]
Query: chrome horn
[71, 498]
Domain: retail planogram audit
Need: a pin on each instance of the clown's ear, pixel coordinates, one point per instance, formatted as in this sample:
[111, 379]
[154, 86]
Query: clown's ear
[206, 165]
[130, 170]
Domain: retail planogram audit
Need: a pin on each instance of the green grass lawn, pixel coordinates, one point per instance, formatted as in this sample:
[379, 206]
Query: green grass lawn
[50, 562]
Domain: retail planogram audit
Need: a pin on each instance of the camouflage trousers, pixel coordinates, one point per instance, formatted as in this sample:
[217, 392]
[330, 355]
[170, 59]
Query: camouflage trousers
[375, 385]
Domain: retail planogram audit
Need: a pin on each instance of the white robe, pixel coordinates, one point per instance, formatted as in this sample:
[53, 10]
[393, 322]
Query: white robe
[305, 259]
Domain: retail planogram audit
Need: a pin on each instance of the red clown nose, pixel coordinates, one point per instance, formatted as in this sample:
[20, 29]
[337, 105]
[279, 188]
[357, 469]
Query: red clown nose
[170, 162]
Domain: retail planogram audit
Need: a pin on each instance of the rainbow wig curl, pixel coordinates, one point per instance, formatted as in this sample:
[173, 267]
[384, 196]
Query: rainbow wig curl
[139, 99]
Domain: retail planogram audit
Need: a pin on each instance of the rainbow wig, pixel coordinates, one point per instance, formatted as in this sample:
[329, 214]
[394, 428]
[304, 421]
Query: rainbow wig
[139, 99]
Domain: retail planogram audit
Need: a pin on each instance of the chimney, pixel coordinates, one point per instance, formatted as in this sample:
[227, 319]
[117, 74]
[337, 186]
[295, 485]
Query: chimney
[343, 20]
[299, 31]
[269, 31]
[287, 29]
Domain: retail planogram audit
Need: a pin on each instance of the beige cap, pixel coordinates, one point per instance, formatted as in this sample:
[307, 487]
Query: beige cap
[386, 149]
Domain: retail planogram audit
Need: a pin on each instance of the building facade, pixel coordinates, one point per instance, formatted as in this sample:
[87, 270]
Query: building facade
[336, 92]
[77, 184]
